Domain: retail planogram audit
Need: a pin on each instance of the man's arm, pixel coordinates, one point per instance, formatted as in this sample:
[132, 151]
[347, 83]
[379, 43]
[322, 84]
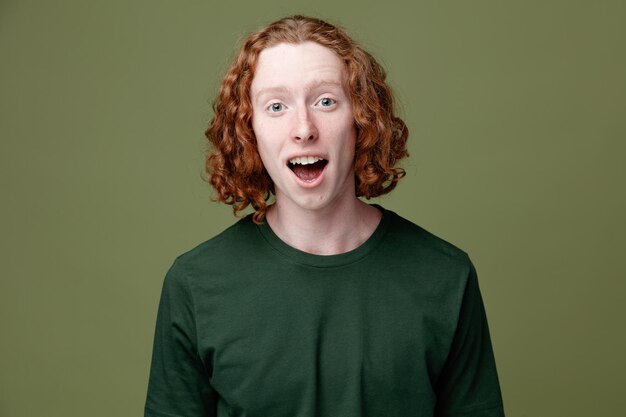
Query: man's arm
[468, 385]
[179, 382]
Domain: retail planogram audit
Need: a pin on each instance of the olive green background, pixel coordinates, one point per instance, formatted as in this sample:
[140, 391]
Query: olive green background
[517, 114]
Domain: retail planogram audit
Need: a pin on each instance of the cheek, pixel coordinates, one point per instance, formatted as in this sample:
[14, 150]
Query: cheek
[349, 140]
[261, 137]
[341, 128]
[265, 152]
[268, 149]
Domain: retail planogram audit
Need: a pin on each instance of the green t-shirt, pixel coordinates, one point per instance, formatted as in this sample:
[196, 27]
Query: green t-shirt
[249, 326]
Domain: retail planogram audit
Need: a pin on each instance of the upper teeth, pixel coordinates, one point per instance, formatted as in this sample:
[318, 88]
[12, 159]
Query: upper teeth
[304, 160]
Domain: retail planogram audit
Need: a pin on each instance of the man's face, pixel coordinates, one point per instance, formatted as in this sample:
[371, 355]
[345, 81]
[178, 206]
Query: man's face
[303, 123]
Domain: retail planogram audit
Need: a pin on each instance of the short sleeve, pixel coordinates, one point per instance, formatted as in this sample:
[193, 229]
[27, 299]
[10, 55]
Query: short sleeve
[468, 385]
[179, 381]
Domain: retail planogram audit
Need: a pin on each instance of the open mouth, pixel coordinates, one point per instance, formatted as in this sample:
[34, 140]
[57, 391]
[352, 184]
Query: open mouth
[307, 168]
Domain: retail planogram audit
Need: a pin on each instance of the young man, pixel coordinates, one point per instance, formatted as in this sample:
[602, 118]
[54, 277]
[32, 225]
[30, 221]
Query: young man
[318, 304]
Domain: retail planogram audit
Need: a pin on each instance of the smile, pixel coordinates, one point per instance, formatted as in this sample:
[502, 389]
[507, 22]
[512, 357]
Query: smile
[307, 168]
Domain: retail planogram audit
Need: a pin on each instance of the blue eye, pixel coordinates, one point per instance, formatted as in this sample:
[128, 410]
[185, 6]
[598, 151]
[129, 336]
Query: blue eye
[326, 102]
[275, 107]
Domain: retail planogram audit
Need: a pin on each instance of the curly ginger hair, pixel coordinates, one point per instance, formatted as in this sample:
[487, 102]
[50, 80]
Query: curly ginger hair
[234, 166]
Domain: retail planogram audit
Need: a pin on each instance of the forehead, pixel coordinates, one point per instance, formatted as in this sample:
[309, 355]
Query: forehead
[290, 66]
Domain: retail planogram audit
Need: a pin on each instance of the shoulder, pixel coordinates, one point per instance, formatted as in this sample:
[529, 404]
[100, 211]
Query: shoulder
[406, 233]
[413, 242]
[220, 253]
[235, 237]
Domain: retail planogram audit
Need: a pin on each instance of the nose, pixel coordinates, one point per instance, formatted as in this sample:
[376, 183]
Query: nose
[304, 126]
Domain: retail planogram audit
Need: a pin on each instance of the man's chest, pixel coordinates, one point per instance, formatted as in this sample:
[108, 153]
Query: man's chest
[281, 344]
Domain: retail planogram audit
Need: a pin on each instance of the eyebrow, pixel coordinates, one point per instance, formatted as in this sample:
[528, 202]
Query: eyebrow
[311, 86]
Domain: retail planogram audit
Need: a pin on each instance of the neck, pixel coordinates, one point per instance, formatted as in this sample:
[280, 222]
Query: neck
[331, 230]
